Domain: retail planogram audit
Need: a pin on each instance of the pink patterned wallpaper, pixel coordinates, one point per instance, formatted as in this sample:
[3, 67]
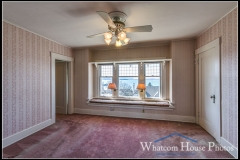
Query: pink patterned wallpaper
[26, 78]
[227, 29]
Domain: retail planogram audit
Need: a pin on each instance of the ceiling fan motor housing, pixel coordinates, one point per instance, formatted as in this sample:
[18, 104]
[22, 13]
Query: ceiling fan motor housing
[118, 18]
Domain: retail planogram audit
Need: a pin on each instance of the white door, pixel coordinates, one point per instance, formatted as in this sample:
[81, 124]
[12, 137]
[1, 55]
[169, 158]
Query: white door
[61, 87]
[209, 91]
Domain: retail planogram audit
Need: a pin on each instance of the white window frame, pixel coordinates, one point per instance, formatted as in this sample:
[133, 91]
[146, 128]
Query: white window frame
[160, 77]
[99, 79]
[141, 78]
[117, 78]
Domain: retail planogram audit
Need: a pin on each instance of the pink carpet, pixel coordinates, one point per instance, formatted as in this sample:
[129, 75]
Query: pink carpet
[88, 136]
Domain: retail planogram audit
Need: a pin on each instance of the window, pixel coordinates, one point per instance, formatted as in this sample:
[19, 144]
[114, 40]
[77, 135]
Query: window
[105, 78]
[152, 80]
[128, 80]
[156, 75]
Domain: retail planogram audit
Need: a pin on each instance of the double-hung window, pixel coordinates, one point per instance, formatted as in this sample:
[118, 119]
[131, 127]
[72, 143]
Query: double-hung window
[106, 74]
[128, 80]
[152, 80]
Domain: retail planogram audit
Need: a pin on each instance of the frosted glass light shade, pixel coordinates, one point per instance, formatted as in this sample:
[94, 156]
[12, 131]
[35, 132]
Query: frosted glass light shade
[108, 35]
[126, 40]
[122, 35]
[121, 38]
[118, 43]
[108, 41]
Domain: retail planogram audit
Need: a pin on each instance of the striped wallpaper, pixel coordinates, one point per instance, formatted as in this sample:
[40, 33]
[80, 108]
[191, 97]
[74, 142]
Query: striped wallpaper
[26, 78]
[227, 30]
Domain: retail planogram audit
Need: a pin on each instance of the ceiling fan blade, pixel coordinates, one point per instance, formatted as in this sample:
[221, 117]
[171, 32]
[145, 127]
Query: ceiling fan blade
[147, 28]
[99, 34]
[107, 18]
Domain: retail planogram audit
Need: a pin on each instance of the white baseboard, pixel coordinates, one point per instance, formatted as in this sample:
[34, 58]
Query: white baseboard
[225, 143]
[137, 115]
[22, 134]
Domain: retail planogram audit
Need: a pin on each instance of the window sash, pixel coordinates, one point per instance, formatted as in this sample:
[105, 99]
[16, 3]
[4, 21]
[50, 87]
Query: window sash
[128, 71]
[150, 92]
[108, 68]
[129, 89]
[104, 87]
[152, 63]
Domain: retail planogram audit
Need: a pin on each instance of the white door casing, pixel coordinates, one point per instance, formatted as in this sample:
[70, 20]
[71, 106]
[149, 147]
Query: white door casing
[207, 87]
[55, 56]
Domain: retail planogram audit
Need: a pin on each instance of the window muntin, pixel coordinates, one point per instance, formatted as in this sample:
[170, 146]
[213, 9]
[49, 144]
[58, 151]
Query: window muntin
[106, 74]
[128, 80]
[106, 70]
[152, 80]
[128, 70]
[152, 69]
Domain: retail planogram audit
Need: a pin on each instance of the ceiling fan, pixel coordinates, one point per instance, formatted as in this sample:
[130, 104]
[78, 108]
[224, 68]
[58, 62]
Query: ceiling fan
[116, 26]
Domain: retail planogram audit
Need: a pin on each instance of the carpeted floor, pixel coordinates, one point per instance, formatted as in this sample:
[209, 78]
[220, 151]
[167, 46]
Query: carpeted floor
[88, 136]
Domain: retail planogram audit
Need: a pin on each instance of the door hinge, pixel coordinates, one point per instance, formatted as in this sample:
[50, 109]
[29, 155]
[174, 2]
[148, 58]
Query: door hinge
[198, 114]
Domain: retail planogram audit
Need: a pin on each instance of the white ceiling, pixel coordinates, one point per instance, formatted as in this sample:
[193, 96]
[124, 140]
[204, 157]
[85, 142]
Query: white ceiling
[70, 22]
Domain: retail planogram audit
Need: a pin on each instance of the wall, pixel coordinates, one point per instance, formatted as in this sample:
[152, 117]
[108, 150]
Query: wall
[61, 83]
[183, 74]
[81, 59]
[26, 78]
[227, 30]
[131, 53]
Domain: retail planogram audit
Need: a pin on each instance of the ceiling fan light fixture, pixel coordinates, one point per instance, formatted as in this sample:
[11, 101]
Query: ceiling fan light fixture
[108, 41]
[122, 35]
[116, 26]
[108, 35]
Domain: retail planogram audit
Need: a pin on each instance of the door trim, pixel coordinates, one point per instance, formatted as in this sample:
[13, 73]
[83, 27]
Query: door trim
[55, 56]
[213, 44]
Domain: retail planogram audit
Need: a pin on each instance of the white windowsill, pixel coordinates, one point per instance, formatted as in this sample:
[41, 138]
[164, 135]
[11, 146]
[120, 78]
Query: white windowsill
[143, 103]
[132, 99]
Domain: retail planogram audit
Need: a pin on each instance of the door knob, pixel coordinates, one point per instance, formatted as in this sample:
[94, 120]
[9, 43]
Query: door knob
[213, 96]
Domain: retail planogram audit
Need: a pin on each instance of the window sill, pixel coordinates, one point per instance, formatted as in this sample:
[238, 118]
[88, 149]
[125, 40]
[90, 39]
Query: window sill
[132, 99]
[127, 103]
